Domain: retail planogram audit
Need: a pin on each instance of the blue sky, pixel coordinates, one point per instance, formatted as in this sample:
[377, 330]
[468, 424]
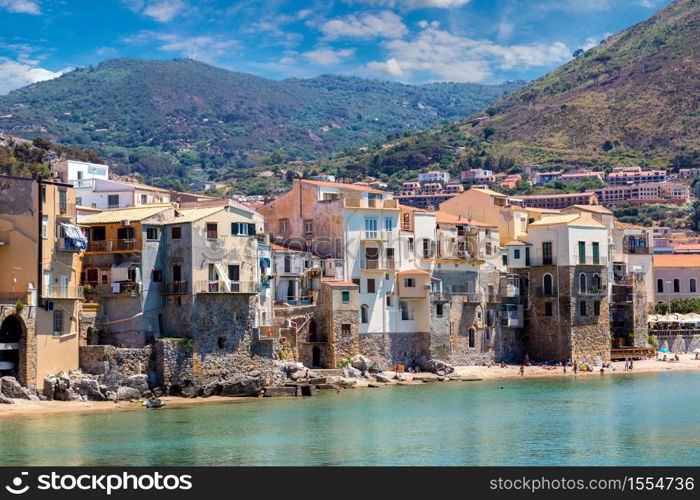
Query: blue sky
[413, 41]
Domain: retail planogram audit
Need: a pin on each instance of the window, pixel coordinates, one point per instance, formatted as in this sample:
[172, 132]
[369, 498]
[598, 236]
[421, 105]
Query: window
[409, 282]
[79, 200]
[426, 249]
[488, 248]
[547, 253]
[212, 231]
[371, 228]
[346, 297]
[676, 285]
[176, 232]
[370, 285]
[693, 285]
[113, 200]
[516, 253]
[504, 258]
[388, 224]
[345, 330]
[358, 282]
[406, 311]
[44, 226]
[439, 310]
[596, 252]
[157, 276]
[582, 283]
[287, 264]
[547, 288]
[472, 337]
[364, 314]
[308, 227]
[595, 283]
[548, 309]
[242, 229]
[582, 308]
[410, 245]
[177, 272]
[62, 201]
[581, 252]
[660, 285]
[57, 322]
[389, 299]
[234, 272]
[284, 225]
[596, 308]
[151, 233]
[144, 199]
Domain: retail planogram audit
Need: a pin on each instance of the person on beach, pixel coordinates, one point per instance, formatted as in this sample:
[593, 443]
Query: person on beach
[522, 370]
[565, 369]
[602, 371]
[575, 369]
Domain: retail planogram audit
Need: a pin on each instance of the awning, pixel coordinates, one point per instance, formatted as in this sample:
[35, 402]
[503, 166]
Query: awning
[74, 235]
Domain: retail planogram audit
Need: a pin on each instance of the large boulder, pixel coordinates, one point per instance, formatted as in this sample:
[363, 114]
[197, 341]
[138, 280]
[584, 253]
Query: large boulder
[437, 366]
[351, 372]
[243, 386]
[125, 393]
[50, 384]
[90, 389]
[12, 389]
[4, 400]
[138, 382]
[360, 362]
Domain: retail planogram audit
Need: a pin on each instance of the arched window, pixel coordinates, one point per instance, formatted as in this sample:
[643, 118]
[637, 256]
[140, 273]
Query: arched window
[676, 285]
[364, 313]
[660, 285]
[693, 285]
[595, 282]
[547, 284]
[582, 283]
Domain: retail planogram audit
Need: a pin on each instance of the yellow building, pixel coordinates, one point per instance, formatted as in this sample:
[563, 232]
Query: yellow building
[40, 263]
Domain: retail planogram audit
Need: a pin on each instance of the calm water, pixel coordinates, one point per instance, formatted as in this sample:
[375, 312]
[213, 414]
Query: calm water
[623, 420]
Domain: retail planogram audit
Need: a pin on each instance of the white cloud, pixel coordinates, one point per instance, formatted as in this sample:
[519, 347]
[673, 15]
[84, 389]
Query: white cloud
[414, 4]
[14, 75]
[20, 6]
[576, 5]
[162, 11]
[440, 55]
[386, 24]
[202, 48]
[327, 56]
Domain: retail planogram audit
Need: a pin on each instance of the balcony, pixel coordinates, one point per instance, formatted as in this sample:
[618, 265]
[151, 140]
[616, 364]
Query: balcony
[370, 235]
[12, 297]
[374, 203]
[124, 245]
[603, 290]
[132, 288]
[63, 292]
[174, 288]
[226, 286]
[66, 209]
[378, 265]
[66, 245]
[589, 260]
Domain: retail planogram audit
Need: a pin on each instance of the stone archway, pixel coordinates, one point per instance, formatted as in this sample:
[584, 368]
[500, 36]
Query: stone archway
[13, 348]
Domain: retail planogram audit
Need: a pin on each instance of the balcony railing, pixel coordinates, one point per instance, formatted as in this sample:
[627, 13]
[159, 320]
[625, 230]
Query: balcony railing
[116, 288]
[375, 235]
[123, 245]
[66, 245]
[378, 264]
[226, 286]
[12, 297]
[66, 209]
[467, 297]
[589, 260]
[174, 287]
[63, 292]
[603, 290]
[375, 203]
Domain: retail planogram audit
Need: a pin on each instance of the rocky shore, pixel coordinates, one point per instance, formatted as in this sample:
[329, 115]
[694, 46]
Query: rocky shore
[78, 392]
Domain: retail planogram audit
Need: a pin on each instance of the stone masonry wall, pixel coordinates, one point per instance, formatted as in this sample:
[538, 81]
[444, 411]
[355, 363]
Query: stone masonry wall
[114, 363]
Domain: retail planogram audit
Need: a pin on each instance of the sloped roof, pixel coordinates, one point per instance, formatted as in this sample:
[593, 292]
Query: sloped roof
[447, 218]
[133, 214]
[339, 283]
[677, 260]
[354, 187]
[413, 271]
[192, 215]
[488, 191]
[577, 219]
[599, 209]
[518, 243]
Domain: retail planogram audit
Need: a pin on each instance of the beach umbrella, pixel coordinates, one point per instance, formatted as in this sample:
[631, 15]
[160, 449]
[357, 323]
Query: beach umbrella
[664, 350]
[696, 351]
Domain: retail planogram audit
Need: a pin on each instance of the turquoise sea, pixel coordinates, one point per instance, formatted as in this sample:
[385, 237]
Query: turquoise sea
[644, 419]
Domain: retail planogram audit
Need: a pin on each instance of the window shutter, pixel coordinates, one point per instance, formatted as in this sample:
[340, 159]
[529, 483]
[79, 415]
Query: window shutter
[234, 228]
[251, 229]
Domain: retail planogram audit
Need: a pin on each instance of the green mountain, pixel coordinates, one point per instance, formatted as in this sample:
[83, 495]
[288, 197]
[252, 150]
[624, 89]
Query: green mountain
[189, 119]
[632, 100]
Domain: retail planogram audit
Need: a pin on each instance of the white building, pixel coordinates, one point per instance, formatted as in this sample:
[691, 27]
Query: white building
[70, 171]
[434, 176]
[105, 194]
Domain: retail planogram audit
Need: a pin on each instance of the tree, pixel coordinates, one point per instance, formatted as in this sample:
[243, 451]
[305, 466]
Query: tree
[578, 53]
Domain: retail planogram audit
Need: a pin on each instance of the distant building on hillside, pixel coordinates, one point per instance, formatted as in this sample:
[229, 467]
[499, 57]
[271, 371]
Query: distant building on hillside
[71, 171]
[433, 177]
[558, 201]
[635, 175]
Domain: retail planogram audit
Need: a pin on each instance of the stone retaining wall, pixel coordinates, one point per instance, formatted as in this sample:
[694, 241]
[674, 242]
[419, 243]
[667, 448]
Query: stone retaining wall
[115, 364]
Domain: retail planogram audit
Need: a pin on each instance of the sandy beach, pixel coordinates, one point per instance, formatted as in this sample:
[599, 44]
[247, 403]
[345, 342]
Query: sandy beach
[38, 409]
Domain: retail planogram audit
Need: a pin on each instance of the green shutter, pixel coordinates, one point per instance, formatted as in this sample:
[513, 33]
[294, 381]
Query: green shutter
[251, 229]
[234, 228]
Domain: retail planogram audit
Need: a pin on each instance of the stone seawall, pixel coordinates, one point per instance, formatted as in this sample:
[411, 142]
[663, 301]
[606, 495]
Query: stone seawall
[115, 364]
[678, 343]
